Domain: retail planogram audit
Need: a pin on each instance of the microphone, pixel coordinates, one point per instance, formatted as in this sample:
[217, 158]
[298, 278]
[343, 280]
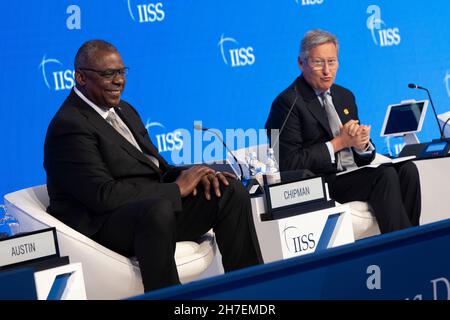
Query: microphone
[200, 128]
[443, 127]
[415, 86]
[287, 117]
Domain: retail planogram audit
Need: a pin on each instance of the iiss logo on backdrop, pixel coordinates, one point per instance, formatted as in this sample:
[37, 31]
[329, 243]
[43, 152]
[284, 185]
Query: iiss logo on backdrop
[381, 35]
[201, 146]
[447, 82]
[234, 54]
[146, 11]
[309, 2]
[55, 75]
[166, 141]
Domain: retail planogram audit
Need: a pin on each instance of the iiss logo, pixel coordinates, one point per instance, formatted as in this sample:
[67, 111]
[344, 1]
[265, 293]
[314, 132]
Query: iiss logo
[55, 75]
[167, 141]
[296, 241]
[309, 2]
[381, 35]
[447, 82]
[146, 12]
[239, 56]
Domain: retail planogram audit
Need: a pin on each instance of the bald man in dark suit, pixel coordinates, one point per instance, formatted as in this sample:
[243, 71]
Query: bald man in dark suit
[106, 179]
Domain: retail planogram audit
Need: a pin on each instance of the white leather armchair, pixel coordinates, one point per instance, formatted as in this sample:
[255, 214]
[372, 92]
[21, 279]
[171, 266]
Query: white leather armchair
[107, 274]
[363, 221]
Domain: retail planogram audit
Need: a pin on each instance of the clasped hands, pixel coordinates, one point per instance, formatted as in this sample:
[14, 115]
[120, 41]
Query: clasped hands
[352, 134]
[189, 179]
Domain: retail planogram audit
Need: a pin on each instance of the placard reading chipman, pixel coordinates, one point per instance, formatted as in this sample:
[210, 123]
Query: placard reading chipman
[296, 193]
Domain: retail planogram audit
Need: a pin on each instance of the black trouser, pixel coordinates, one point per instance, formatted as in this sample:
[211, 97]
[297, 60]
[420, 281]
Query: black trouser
[149, 230]
[393, 191]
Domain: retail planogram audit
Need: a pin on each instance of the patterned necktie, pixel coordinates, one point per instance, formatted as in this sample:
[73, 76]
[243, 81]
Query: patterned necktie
[345, 156]
[116, 124]
[333, 117]
[126, 133]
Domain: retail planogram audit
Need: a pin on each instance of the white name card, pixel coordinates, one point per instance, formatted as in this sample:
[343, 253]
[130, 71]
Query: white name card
[296, 192]
[27, 247]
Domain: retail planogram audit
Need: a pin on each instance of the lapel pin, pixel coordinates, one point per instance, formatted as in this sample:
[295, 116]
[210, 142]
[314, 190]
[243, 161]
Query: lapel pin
[346, 112]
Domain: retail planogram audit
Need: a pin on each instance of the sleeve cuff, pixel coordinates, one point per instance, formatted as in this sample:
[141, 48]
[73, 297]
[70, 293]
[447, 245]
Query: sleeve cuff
[368, 150]
[331, 151]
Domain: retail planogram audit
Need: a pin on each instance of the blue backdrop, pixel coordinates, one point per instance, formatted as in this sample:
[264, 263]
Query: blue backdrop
[219, 62]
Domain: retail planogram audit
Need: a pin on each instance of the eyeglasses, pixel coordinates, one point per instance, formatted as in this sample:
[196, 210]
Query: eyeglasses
[318, 64]
[109, 73]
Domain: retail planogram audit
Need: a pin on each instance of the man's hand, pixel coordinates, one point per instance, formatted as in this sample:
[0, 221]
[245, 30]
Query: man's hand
[352, 135]
[351, 127]
[364, 137]
[214, 181]
[346, 137]
[188, 179]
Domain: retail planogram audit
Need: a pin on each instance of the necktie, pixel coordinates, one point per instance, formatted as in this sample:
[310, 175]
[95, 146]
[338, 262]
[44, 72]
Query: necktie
[333, 117]
[345, 156]
[120, 127]
[116, 124]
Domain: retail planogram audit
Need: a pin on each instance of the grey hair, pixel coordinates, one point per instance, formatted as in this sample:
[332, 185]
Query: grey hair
[88, 50]
[314, 38]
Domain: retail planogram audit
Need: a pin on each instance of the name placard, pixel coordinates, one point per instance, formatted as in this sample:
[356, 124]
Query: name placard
[294, 193]
[28, 247]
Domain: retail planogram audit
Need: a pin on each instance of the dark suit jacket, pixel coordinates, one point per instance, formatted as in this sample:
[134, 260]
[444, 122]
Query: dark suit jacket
[302, 141]
[92, 170]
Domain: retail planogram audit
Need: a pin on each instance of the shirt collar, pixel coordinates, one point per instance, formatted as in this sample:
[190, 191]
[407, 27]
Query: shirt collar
[103, 112]
[318, 93]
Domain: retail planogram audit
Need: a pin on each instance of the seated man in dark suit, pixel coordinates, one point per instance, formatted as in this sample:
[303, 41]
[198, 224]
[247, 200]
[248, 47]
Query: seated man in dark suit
[322, 133]
[106, 179]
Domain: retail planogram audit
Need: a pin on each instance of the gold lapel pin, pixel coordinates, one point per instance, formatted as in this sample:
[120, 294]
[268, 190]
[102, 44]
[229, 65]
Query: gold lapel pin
[346, 112]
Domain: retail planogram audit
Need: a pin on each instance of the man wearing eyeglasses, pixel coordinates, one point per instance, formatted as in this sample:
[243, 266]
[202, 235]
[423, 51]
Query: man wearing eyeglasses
[320, 131]
[106, 179]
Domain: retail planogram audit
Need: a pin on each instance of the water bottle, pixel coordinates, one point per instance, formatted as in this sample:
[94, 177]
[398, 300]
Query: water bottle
[255, 167]
[272, 172]
[9, 225]
[271, 163]
[253, 163]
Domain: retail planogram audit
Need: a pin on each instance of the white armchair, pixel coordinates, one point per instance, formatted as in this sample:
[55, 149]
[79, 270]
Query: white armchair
[363, 221]
[107, 274]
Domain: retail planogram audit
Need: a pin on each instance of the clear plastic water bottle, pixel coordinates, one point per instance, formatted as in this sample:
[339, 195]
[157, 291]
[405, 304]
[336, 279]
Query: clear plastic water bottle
[256, 168]
[247, 162]
[272, 171]
[9, 225]
[253, 163]
[271, 163]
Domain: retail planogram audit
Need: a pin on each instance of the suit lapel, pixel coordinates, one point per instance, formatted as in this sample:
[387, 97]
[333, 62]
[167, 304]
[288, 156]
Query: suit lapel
[313, 104]
[145, 144]
[343, 110]
[106, 129]
[316, 108]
